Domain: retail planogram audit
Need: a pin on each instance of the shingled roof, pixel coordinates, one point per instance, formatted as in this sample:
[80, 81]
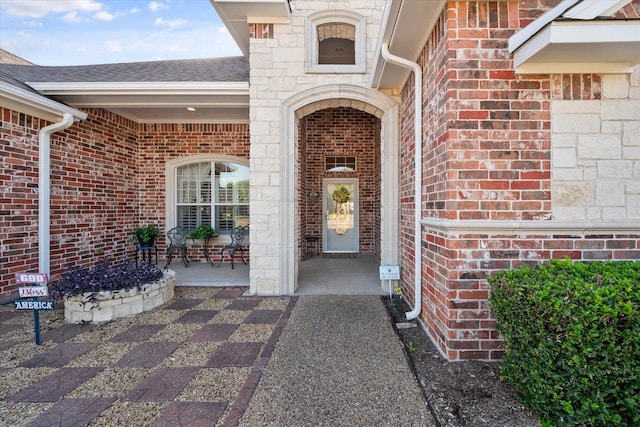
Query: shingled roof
[229, 69]
[221, 89]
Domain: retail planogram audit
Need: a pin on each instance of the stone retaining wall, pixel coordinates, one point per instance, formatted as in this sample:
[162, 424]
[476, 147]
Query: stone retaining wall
[114, 305]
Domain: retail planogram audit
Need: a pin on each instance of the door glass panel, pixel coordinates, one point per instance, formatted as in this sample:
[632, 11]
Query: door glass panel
[340, 215]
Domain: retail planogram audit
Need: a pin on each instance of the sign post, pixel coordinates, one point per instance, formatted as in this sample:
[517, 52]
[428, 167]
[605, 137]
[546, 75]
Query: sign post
[35, 290]
[389, 273]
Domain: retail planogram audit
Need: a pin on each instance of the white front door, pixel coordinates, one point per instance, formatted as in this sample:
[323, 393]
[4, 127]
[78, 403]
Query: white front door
[340, 209]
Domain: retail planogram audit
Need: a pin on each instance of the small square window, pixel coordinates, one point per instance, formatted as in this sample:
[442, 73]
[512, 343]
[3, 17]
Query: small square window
[340, 164]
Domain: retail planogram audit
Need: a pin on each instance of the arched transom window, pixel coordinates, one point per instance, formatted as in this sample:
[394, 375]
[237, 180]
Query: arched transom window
[336, 42]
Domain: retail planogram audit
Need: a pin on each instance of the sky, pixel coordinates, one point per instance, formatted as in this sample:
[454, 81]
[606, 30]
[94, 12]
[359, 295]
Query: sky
[82, 32]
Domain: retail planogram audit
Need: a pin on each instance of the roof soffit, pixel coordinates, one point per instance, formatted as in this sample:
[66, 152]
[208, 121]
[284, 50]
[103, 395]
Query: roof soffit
[576, 37]
[401, 19]
[238, 14]
[157, 102]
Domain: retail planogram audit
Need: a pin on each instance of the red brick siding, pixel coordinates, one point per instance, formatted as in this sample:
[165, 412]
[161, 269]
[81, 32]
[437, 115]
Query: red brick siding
[340, 132]
[630, 11]
[93, 189]
[576, 86]
[261, 31]
[160, 143]
[107, 175]
[18, 195]
[486, 151]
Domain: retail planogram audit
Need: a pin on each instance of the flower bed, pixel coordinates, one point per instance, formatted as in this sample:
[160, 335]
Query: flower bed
[110, 290]
[106, 306]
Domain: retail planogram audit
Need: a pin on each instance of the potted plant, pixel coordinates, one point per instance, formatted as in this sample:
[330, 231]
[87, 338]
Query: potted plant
[203, 231]
[145, 235]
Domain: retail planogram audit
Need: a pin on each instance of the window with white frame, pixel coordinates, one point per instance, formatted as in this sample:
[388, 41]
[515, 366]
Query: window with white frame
[211, 192]
[336, 42]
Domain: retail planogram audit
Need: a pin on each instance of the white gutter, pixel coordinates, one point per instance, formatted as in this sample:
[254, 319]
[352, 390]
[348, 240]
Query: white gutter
[417, 130]
[44, 191]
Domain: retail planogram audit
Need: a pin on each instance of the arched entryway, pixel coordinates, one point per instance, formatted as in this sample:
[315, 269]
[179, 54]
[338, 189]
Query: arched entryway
[304, 191]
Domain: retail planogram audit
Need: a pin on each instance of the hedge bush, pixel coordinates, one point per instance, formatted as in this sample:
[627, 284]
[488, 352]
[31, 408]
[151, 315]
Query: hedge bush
[572, 337]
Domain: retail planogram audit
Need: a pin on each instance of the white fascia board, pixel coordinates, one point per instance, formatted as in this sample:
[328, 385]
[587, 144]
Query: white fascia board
[141, 88]
[591, 9]
[37, 105]
[521, 37]
[582, 37]
[575, 68]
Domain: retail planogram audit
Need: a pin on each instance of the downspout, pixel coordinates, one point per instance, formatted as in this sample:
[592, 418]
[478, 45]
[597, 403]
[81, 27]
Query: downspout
[44, 191]
[417, 124]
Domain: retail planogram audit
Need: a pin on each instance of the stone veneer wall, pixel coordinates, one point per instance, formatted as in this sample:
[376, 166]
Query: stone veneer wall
[277, 64]
[107, 175]
[596, 147]
[114, 305]
[487, 170]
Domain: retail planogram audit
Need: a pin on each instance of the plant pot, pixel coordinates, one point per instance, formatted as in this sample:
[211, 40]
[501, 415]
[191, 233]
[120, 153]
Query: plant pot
[148, 244]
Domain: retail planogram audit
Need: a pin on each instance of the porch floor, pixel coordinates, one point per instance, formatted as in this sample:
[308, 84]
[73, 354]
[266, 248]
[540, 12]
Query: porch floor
[316, 275]
[339, 276]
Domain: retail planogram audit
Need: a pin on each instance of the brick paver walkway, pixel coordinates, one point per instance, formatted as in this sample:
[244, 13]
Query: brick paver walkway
[195, 361]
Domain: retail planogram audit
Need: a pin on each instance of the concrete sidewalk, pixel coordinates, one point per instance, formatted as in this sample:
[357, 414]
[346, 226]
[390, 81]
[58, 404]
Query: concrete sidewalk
[338, 363]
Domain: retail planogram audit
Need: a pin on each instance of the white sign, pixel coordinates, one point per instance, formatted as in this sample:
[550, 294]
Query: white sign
[32, 278]
[34, 291]
[389, 272]
[33, 305]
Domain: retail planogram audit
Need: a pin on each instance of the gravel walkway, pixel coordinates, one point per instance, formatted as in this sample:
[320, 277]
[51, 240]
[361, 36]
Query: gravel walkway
[199, 360]
[338, 363]
[192, 362]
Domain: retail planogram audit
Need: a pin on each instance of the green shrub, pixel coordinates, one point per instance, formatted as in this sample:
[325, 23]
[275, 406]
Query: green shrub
[572, 337]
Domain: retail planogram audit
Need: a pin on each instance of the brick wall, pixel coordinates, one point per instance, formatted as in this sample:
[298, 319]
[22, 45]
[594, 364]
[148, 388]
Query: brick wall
[160, 143]
[107, 175]
[340, 132]
[486, 157]
[18, 195]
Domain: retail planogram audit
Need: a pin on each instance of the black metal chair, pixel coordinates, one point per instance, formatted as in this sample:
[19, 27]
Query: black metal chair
[237, 238]
[177, 237]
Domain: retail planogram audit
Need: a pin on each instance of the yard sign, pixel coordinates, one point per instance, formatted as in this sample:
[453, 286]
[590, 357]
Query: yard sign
[34, 291]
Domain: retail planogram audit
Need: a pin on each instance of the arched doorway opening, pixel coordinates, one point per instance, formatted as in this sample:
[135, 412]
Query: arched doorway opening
[298, 186]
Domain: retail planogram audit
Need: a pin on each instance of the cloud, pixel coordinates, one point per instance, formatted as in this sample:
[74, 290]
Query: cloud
[39, 8]
[171, 23]
[72, 18]
[104, 16]
[134, 10]
[156, 6]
